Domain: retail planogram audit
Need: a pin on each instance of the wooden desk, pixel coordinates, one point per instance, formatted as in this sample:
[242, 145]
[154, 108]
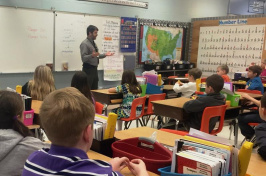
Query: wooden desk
[103, 96]
[256, 96]
[256, 164]
[125, 171]
[172, 108]
[162, 136]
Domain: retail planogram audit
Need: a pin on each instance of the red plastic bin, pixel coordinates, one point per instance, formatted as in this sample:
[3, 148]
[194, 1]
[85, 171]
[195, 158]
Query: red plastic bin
[28, 117]
[153, 154]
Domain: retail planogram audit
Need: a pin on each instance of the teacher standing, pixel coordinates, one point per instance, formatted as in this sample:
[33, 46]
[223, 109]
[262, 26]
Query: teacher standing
[90, 56]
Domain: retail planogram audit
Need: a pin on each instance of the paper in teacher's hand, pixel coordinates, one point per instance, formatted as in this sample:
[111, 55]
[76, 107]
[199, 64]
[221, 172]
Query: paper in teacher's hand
[109, 54]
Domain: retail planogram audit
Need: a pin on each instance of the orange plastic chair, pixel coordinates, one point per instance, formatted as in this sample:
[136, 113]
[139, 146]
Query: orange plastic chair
[149, 111]
[253, 139]
[181, 133]
[210, 112]
[171, 82]
[136, 102]
[249, 91]
[98, 107]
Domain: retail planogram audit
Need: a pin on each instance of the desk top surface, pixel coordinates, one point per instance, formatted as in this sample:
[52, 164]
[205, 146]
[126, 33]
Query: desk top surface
[251, 94]
[256, 165]
[175, 102]
[125, 171]
[103, 91]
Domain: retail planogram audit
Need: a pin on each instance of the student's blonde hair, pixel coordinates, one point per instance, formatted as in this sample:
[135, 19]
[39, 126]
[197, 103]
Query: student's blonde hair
[224, 68]
[64, 114]
[42, 83]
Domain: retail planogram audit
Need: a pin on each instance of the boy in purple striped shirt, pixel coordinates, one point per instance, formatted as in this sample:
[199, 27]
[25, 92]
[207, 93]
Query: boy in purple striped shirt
[67, 117]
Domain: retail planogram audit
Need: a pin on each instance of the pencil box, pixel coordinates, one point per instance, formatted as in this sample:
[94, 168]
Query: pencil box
[28, 117]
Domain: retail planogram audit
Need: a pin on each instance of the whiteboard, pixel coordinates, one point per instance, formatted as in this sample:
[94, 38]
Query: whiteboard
[71, 30]
[26, 39]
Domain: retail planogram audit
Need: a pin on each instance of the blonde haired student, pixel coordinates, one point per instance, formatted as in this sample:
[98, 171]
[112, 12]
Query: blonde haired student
[16, 140]
[223, 70]
[67, 117]
[131, 90]
[41, 85]
[187, 89]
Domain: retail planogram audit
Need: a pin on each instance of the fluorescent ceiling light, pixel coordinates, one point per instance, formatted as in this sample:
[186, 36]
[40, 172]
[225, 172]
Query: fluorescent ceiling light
[122, 2]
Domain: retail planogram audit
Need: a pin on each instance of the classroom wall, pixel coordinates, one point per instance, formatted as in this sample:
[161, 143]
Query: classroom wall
[172, 10]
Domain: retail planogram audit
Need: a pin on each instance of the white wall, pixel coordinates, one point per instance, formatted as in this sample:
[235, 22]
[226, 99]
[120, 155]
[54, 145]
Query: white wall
[172, 10]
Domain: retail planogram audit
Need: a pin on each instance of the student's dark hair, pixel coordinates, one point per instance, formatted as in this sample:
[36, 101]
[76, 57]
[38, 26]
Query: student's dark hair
[195, 72]
[129, 77]
[91, 29]
[224, 68]
[80, 82]
[255, 69]
[216, 82]
[263, 101]
[11, 108]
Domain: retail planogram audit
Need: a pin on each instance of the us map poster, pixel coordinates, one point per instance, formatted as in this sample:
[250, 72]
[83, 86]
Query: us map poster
[235, 46]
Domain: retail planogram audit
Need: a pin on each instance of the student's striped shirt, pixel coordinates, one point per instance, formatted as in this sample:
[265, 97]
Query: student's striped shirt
[65, 161]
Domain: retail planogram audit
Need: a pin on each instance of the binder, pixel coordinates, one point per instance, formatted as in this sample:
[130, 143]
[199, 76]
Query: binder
[111, 124]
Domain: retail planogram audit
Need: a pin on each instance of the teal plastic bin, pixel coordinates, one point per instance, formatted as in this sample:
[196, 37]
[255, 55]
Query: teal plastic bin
[166, 172]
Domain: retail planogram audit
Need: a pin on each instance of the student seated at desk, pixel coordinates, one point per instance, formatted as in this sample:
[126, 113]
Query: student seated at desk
[251, 117]
[214, 84]
[80, 81]
[187, 89]
[254, 83]
[131, 90]
[41, 85]
[16, 140]
[67, 117]
[223, 70]
[258, 117]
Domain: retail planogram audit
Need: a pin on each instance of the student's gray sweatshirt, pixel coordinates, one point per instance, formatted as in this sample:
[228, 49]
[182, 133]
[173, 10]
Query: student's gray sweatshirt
[14, 151]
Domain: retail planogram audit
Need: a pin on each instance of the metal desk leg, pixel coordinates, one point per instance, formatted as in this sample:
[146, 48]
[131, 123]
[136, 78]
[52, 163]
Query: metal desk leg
[236, 134]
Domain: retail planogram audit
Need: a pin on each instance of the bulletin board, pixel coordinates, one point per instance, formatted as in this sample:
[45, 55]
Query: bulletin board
[214, 43]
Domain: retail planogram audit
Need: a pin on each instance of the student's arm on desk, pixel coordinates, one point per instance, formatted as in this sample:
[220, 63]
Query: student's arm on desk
[180, 88]
[194, 105]
[248, 97]
[112, 90]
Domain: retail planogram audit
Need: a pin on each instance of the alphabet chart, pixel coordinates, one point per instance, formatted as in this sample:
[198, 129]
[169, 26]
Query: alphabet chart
[235, 46]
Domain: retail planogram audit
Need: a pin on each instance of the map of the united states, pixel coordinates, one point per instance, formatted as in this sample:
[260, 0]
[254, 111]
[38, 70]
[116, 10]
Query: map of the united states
[160, 43]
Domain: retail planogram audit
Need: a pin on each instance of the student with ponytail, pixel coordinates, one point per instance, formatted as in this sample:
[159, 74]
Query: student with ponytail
[16, 140]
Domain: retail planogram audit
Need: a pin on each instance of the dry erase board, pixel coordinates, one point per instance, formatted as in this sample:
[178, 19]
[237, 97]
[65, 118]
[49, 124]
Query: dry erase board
[26, 39]
[70, 31]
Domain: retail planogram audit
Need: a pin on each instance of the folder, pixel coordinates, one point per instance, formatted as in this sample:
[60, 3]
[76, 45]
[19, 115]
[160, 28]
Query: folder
[244, 157]
[111, 124]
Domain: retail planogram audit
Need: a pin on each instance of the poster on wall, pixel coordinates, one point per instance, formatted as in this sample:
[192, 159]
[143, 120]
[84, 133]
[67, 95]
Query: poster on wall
[235, 46]
[113, 67]
[160, 43]
[128, 34]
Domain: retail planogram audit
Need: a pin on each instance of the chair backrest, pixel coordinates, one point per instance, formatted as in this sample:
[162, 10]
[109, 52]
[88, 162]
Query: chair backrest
[210, 112]
[137, 102]
[203, 79]
[171, 81]
[253, 124]
[154, 97]
[98, 107]
[249, 91]
[181, 133]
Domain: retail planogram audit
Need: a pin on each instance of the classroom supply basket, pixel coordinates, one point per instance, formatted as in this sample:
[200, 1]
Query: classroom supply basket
[153, 154]
[153, 89]
[166, 172]
[28, 117]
